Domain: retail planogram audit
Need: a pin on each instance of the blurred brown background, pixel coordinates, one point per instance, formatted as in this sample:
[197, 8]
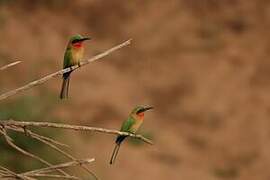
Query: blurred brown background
[203, 65]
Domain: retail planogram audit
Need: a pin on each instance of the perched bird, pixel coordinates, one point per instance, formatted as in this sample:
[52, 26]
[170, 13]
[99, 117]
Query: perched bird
[131, 125]
[73, 55]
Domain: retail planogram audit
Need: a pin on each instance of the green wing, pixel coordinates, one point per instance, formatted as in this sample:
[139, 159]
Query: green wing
[67, 58]
[126, 126]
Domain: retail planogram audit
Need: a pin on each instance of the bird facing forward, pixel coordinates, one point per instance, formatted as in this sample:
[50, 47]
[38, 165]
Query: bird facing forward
[73, 55]
[131, 125]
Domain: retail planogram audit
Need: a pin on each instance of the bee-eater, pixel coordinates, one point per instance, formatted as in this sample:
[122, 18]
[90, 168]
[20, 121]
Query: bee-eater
[131, 125]
[73, 55]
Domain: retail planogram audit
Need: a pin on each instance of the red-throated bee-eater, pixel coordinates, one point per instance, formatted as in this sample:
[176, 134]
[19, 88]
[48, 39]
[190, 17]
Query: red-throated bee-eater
[73, 55]
[131, 125]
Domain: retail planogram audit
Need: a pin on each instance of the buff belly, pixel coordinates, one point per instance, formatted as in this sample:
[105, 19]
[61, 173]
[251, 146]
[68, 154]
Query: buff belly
[77, 55]
[134, 128]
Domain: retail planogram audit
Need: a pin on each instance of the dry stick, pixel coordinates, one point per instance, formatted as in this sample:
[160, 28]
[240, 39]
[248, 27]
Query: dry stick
[13, 174]
[5, 169]
[9, 65]
[13, 124]
[37, 136]
[42, 172]
[61, 72]
[31, 177]
[48, 139]
[8, 140]
[54, 176]
[16, 176]
[43, 139]
[39, 172]
[3, 172]
[60, 166]
[23, 124]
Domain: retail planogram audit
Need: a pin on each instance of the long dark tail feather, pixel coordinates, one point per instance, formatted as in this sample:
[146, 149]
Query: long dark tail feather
[65, 85]
[114, 154]
[118, 142]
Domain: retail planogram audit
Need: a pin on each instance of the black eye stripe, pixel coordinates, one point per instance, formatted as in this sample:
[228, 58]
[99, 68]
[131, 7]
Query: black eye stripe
[76, 40]
[141, 110]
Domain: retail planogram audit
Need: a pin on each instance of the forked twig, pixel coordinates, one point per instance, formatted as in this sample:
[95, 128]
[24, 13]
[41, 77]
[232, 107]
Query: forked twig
[51, 143]
[46, 172]
[8, 139]
[73, 163]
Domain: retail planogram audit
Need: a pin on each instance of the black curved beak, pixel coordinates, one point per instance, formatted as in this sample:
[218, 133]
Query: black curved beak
[85, 38]
[81, 40]
[148, 108]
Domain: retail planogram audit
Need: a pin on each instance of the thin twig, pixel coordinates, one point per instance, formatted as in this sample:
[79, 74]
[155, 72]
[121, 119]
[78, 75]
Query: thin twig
[44, 140]
[43, 172]
[61, 72]
[37, 136]
[9, 65]
[41, 138]
[47, 172]
[71, 127]
[54, 176]
[10, 174]
[49, 140]
[10, 143]
[60, 166]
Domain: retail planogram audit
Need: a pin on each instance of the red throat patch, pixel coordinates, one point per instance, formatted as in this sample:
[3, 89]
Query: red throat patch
[141, 115]
[77, 44]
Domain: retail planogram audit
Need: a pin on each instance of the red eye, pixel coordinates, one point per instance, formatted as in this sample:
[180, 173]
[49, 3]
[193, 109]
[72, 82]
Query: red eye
[141, 114]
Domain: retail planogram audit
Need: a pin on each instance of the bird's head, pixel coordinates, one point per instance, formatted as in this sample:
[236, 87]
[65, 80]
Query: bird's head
[138, 111]
[77, 40]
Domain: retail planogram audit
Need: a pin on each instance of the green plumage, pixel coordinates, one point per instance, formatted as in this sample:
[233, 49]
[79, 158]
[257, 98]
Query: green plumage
[67, 58]
[72, 56]
[126, 126]
[66, 77]
[131, 125]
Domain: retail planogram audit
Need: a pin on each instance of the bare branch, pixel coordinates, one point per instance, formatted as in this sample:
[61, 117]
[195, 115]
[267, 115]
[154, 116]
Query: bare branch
[22, 127]
[8, 174]
[23, 124]
[61, 72]
[50, 143]
[60, 166]
[47, 139]
[9, 65]
[54, 176]
[40, 138]
[47, 172]
[10, 143]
